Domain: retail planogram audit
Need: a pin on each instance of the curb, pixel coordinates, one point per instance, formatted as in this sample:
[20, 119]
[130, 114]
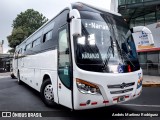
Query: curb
[151, 85]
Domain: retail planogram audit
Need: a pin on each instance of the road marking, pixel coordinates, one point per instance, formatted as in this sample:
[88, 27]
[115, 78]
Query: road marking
[141, 105]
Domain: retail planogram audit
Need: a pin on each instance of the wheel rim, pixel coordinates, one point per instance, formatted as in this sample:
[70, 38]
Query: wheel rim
[48, 92]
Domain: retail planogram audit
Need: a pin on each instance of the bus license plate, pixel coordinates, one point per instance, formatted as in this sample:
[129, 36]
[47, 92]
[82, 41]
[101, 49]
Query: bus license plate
[121, 98]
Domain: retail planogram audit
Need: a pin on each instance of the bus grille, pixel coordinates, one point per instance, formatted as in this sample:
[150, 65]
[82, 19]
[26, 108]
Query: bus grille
[121, 85]
[121, 91]
[121, 88]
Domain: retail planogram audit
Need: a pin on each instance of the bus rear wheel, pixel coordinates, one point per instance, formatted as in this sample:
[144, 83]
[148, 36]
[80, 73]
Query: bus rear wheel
[47, 93]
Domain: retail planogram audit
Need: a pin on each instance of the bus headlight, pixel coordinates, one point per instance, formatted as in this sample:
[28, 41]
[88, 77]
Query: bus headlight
[87, 87]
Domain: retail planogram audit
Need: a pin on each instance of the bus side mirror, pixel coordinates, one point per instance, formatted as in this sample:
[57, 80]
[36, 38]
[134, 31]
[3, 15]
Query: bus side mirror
[76, 27]
[75, 20]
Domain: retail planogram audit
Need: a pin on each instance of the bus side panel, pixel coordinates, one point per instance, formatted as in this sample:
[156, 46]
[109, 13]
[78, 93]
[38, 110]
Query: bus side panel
[38, 65]
[44, 63]
[48, 66]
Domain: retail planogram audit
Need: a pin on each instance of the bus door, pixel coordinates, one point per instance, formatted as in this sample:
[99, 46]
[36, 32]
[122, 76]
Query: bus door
[64, 68]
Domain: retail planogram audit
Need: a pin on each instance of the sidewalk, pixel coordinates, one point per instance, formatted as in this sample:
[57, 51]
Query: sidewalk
[5, 74]
[151, 81]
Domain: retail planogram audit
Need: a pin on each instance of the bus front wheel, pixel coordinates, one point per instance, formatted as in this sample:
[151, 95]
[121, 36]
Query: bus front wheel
[47, 93]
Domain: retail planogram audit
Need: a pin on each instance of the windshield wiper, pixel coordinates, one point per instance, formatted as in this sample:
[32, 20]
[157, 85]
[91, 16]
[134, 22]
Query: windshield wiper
[111, 48]
[108, 57]
[123, 53]
[112, 45]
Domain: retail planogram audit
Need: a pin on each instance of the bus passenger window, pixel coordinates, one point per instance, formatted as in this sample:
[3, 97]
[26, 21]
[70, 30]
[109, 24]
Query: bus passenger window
[36, 42]
[47, 36]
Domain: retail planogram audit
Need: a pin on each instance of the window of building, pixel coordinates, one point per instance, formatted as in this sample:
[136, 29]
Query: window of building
[132, 24]
[139, 21]
[158, 15]
[122, 2]
[138, 1]
[128, 1]
[153, 57]
[149, 0]
[47, 36]
[142, 57]
[150, 18]
[131, 1]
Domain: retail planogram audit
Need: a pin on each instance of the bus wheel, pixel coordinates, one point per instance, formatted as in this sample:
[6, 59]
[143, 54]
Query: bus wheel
[47, 93]
[18, 79]
[12, 76]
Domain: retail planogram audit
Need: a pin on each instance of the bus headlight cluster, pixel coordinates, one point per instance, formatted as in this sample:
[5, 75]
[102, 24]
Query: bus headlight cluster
[86, 87]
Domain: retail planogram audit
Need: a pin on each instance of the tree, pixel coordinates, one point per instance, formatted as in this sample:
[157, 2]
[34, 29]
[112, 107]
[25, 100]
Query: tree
[17, 36]
[24, 25]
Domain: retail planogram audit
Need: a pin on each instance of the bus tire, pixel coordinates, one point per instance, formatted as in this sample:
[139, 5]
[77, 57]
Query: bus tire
[46, 93]
[13, 76]
[18, 78]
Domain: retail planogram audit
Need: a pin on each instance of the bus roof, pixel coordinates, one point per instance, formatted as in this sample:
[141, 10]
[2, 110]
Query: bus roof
[70, 7]
[97, 8]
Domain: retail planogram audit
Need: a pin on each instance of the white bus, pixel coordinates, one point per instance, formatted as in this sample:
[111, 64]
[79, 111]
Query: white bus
[83, 58]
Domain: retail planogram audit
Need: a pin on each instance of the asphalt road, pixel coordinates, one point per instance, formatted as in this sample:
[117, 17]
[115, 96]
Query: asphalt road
[14, 97]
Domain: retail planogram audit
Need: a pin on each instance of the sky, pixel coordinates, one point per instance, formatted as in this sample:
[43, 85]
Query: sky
[9, 9]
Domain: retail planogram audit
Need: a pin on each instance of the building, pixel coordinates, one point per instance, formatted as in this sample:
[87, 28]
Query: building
[5, 62]
[143, 13]
[1, 47]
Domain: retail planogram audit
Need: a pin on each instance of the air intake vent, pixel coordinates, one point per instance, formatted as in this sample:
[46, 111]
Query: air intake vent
[121, 91]
[123, 85]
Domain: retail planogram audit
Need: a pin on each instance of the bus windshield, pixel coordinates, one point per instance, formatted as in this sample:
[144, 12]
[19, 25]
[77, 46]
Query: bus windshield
[105, 46]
